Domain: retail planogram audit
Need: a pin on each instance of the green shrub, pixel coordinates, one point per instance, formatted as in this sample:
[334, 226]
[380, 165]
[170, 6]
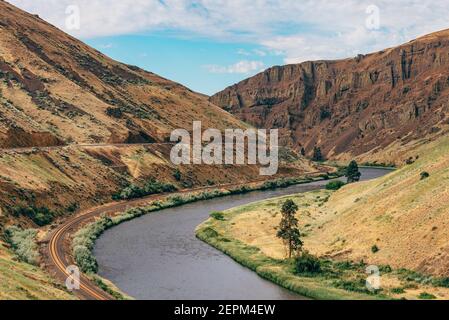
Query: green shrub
[345, 265]
[426, 296]
[41, 216]
[375, 249]
[325, 114]
[177, 175]
[398, 290]
[23, 244]
[317, 155]
[385, 269]
[352, 173]
[270, 185]
[99, 282]
[85, 260]
[134, 191]
[217, 215]
[307, 264]
[356, 285]
[441, 282]
[177, 200]
[335, 185]
[241, 190]
[424, 175]
[210, 233]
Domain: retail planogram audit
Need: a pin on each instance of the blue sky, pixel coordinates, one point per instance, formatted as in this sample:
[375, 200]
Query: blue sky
[203, 65]
[210, 44]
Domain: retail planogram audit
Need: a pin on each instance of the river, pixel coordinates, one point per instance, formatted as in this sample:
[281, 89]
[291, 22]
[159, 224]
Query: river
[158, 257]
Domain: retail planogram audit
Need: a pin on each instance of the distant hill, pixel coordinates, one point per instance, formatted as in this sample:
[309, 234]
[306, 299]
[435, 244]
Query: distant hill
[373, 107]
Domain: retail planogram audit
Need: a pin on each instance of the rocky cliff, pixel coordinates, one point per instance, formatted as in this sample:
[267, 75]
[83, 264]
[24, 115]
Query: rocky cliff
[367, 107]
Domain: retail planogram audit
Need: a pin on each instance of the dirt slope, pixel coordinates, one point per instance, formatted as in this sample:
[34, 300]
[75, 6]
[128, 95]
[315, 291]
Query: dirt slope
[55, 90]
[88, 176]
[367, 107]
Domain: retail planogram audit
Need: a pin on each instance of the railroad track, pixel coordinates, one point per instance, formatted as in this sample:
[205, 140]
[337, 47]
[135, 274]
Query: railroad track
[60, 238]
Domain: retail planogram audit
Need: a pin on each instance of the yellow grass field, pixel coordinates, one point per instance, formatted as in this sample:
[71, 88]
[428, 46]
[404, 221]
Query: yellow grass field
[402, 215]
[21, 281]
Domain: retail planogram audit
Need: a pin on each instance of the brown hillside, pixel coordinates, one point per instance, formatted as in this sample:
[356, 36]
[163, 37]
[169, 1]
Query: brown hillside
[373, 107]
[56, 90]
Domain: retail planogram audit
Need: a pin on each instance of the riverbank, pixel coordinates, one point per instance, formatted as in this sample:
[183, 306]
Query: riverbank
[253, 253]
[331, 232]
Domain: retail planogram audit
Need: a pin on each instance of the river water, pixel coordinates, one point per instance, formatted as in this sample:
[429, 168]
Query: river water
[158, 257]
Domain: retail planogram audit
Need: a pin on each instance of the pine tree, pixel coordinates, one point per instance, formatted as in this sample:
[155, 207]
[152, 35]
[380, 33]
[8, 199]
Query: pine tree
[317, 155]
[303, 152]
[288, 228]
[352, 172]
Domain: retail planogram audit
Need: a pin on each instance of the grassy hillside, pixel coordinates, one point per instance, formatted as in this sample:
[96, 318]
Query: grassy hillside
[399, 220]
[79, 177]
[404, 215]
[21, 281]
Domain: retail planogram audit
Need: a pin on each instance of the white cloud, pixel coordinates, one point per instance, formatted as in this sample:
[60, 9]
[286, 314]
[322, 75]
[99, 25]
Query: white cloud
[259, 52]
[107, 46]
[301, 30]
[243, 52]
[241, 67]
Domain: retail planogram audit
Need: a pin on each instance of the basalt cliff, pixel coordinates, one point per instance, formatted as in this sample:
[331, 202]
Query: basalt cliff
[375, 107]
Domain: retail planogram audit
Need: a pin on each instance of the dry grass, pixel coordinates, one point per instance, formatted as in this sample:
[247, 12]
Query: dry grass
[21, 281]
[404, 216]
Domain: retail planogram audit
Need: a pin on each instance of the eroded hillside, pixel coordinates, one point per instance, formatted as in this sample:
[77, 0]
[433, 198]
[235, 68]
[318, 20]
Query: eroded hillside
[55, 90]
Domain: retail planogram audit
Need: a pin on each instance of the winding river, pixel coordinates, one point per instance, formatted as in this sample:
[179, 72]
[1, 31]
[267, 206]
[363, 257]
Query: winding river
[157, 256]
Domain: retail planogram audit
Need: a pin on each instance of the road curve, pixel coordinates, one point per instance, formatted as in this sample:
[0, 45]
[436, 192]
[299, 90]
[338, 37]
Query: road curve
[87, 290]
[58, 251]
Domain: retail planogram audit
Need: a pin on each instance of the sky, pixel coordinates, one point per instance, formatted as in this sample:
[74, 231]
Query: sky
[208, 45]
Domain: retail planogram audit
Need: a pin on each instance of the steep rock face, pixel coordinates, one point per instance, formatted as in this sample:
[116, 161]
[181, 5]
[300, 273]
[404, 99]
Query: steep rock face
[353, 107]
[56, 90]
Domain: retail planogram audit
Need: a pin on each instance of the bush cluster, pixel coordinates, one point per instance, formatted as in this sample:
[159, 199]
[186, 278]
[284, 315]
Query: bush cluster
[151, 187]
[335, 185]
[307, 264]
[23, 244]
[41, 216]
[217, 215]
